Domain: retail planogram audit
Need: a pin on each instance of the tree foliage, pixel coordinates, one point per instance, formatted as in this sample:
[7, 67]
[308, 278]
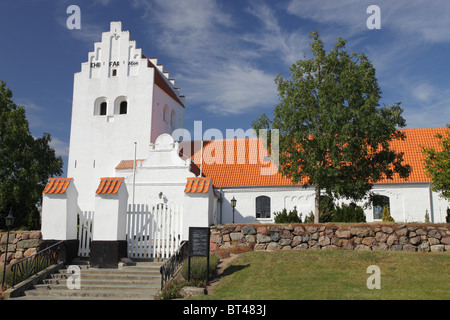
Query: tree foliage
[349, 213]
[387, 215]
[334, 135]
[437, 165]
[26, 163]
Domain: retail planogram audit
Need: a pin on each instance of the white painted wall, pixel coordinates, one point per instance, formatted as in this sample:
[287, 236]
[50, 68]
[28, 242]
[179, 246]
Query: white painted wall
[110, 217]
[197, 211]
[162, 171]
[408, 202]
[159, 125]
[99, 142]
[59, 215]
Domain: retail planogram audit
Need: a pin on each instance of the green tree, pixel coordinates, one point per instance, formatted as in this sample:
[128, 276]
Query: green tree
[437, 165]
[26, 163]
[387, 215]
[333, 134]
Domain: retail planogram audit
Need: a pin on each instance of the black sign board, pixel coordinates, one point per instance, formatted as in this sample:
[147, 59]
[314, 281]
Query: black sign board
[198, 242]
[199, 247]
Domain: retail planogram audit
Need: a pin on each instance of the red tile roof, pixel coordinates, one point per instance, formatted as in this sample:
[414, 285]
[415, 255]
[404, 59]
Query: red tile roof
[57, 185]
[128, 164]
[244, 168]
[109, 185]
[198, 185]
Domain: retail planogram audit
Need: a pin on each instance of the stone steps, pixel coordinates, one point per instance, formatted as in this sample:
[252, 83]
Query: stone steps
[136, 281]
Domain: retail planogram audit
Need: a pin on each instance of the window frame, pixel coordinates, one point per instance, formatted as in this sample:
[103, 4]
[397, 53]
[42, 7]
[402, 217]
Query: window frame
[259, 204]
[166, 113]
[98, 106]
[121, 105]
[118, 103]
[378, 203]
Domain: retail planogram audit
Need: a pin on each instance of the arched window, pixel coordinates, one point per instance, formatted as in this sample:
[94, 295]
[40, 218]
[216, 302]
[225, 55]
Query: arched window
[166, 113]
[379, 202]
[101, 106]
[123, 107]
[262, 207]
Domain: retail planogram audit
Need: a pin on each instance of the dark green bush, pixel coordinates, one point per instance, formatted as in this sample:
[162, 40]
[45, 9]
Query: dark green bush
[291, 217]
[349, 213]
[327, 209]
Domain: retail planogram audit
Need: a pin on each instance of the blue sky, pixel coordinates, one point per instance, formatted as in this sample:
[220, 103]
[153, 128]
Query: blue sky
[224, 55]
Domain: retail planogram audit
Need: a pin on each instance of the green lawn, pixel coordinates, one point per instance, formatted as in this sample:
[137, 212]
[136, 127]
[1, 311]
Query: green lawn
[296, 275]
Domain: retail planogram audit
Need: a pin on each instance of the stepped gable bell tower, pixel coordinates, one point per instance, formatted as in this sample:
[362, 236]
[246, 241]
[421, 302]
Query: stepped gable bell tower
[120, 98]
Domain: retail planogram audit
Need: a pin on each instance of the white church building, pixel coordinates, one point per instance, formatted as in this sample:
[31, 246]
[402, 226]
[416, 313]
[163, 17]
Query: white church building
[133, 188]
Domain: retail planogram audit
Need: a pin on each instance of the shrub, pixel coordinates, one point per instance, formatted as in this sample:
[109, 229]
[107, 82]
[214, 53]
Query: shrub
[447, 218]
[172, 290]
[291, 217]
[349, 213]
[327, 209]
[198, 269]
[309, 218]
[387, 215]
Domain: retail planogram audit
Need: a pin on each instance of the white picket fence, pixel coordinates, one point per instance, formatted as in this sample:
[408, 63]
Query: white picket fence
[85, 229]
[154, 231]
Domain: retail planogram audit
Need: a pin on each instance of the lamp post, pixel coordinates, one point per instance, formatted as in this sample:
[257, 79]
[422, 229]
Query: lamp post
[9, 222]
[233, 204]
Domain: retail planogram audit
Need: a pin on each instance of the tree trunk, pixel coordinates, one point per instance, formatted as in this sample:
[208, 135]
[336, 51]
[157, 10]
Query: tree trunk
[317, 205]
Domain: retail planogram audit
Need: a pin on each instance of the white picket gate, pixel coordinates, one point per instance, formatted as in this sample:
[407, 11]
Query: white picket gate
[85, 228]
[154, 231]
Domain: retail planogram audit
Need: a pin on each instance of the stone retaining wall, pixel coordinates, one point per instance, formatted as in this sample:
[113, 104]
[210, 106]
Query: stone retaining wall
[22, 244]
[369, 236]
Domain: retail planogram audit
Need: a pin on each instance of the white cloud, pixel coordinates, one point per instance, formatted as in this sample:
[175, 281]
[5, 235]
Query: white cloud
[424, 92]
[88, 33]
[234, 90]
[102, 2]
[422, 19]
[213, 61]
[61, 147]
[288, 45]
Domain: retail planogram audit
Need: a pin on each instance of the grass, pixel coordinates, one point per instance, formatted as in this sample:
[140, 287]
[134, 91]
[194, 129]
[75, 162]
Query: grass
[334, 275]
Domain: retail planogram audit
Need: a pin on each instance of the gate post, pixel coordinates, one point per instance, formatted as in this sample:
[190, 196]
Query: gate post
[59, 215]
[109, 243]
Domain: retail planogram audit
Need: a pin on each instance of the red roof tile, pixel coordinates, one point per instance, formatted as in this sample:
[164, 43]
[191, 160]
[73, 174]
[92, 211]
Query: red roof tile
[198, 185]
[109, 185]
[57, 185]
[128, 164]
[244, 167]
